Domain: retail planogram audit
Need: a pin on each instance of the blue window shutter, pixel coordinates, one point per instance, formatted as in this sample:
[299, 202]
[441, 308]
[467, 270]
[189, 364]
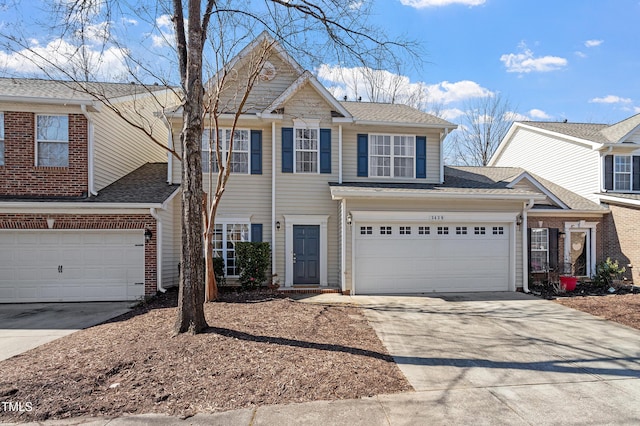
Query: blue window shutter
[421, 157]
[608, 172]
[256, 232]
[325, 150]
[287, 150]
[256, 152]
[363, 155]
[636, 173]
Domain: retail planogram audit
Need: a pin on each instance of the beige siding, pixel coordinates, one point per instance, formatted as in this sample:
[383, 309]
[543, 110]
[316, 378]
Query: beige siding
[634, 137]
[119, 147]
[570, 165]
[171, 236]
[350, 154]
[431, 206]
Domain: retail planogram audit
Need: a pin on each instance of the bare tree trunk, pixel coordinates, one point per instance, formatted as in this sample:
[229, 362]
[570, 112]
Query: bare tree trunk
[191, 294]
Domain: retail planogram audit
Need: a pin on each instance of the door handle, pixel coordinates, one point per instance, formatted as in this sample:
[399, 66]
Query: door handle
[59, 269]
[294, 258]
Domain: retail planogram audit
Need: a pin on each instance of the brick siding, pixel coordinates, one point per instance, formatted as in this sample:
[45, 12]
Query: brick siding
[93, 222]
[20, 176]
[622, 242]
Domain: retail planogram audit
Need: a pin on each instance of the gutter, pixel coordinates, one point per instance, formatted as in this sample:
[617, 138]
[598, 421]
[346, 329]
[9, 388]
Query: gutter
[154, 213]
[93, 105]
[91, 151]
[525, 261]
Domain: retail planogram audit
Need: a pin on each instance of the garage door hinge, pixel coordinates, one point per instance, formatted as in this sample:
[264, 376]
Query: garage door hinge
[138, 283]
[139, 245]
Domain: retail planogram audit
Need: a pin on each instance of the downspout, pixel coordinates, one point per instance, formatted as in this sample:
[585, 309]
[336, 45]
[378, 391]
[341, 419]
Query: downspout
[343, 246]
[170, 147]
[340, 153]
[155, 215]
[273, 197]
[601, 168]
[525, 245]
[90, 151]
[445, 134]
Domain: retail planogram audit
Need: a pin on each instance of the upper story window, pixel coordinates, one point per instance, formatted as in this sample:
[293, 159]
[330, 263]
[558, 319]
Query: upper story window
[1, 138]
[392, 156]
[307, 147]
[239, 155]
[622, 173]
[52, 140]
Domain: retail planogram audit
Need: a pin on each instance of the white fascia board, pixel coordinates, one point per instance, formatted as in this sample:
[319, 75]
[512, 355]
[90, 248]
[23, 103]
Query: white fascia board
[435, 216]
[566, 213]
[399, 124]
[385, 193]
[74, 208]
[171, 197]
[619, 148]
[92, 105]
[619, 200]
[503, 143]
[339, 120]
[539, 186]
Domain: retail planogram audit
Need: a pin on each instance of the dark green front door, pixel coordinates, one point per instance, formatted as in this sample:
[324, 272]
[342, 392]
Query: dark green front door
[306, 254]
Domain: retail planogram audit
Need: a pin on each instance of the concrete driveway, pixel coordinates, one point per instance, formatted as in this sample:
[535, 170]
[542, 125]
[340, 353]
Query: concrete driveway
[25, 326]
[505, 358]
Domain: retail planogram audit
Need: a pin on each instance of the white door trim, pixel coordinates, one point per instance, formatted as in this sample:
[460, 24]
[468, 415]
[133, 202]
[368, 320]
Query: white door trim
[289, 221]
[581, 226]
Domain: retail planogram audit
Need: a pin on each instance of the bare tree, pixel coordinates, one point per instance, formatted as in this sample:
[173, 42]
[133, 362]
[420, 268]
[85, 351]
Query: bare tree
[484, 124]
[207, 34]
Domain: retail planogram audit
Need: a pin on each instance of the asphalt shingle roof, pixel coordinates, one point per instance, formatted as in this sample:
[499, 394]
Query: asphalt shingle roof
[600, 133]
[145, 185]
[398, 113]
[487, 181]
[53, 89]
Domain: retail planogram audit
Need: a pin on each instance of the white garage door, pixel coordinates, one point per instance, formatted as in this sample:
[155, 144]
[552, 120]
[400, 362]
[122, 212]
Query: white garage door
[442, 257]
[69, 266]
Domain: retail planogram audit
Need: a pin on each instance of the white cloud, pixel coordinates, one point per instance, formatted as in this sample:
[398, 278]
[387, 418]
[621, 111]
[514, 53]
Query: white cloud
[165, 25]
[385, 86]
[526, 62]
[103, 64]
[636, 110]
[539, 114]
[580, 54]
[421, 4]
[356, 5]
[515, 116]
[610, 99]
[451, 113]
[593, 43]
[164, 22]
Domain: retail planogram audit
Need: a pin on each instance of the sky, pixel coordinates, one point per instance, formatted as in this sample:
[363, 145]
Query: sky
[553, 60]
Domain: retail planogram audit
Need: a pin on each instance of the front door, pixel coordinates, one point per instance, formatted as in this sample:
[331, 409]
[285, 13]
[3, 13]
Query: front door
[579, 251]
[306, 254]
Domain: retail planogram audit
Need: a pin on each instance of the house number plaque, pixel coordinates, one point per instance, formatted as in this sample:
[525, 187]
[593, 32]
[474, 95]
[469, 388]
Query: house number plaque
[437, 217]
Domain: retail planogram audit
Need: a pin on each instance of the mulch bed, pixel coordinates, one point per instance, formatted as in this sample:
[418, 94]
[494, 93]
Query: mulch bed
[260, 349]
[621, 308]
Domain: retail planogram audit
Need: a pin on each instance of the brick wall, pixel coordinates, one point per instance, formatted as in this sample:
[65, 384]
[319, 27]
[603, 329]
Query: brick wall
[20, 176]
[79, 222]
[622, 239]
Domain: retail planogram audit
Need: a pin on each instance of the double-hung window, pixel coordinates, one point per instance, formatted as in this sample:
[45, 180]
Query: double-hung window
[539, 249]
[1, 138]
[225, 237]
[239, 155]
[392, 156]
[306, 145]
[52, 140]
[622, 173]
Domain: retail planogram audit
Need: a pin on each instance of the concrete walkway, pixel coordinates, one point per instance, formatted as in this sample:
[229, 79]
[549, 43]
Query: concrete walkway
[25, 326]
[493, 358]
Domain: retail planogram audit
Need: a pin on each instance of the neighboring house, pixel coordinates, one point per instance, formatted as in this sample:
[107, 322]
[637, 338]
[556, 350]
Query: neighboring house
[354, 196]
[86, 213]
[597, 161]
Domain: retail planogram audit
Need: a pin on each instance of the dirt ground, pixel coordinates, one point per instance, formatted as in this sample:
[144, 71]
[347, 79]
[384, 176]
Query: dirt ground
[621, 308]
[259, 349]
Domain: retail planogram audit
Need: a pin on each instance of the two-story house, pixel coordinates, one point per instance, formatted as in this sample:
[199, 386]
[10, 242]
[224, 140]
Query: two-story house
[599, 162]
[86, 213]
[354, 196]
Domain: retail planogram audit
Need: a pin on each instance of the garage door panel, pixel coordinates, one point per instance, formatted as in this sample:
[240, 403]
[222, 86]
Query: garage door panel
[95, 266]
[415, 259]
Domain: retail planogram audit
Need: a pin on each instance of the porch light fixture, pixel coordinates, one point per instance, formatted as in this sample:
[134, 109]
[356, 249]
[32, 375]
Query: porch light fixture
[519, 220]
[50, 222]
[349, 219]
[278, 225]
[147, 234]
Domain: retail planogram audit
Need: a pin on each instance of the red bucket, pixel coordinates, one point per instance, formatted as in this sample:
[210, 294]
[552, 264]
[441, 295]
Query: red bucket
[568, 283]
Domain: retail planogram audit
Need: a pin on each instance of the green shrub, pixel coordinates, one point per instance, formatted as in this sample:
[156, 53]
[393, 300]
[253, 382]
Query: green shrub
[218, 270]
[253, 261]
[608, 271]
